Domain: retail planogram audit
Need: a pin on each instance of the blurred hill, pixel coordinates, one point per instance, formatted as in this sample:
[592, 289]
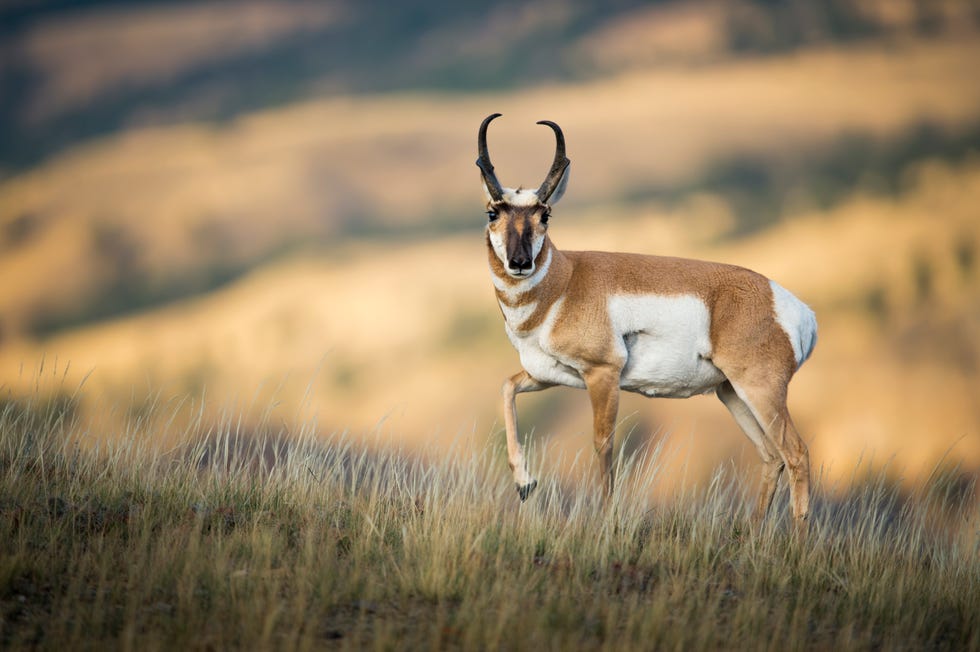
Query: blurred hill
[74, 70]
[214, 196]
[151, 214]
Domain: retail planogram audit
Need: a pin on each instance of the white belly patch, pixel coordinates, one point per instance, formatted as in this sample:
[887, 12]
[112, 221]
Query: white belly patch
[664, 340]
[667, 345]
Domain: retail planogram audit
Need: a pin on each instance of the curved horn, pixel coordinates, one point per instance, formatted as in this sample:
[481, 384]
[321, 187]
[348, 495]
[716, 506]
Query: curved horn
[550, 183]
[483, 162]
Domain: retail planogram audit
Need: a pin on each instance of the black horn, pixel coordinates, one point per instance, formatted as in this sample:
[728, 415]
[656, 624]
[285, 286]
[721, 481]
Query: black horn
[561, 162]
[483, 161]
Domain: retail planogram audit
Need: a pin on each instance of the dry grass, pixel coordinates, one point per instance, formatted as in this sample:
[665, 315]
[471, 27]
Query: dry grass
[292, 540]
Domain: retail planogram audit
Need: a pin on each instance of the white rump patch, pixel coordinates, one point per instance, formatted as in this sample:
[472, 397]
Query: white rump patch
[666, 342]
[797, 320]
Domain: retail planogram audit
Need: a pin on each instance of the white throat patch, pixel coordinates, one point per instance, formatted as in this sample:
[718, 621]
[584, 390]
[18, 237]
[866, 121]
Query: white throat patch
[512, 292]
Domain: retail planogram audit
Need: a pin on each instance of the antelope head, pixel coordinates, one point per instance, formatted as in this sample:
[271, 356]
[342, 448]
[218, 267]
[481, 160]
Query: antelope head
[518, 218]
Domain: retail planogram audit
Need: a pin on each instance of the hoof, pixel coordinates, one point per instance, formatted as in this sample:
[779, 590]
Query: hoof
[525, 490]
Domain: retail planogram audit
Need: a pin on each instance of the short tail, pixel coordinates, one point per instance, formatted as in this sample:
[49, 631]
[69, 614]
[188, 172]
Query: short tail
[808, 334]
[797, 319]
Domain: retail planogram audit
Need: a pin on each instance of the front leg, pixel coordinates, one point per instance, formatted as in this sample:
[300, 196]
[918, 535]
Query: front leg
[603, 386]
[516, 384]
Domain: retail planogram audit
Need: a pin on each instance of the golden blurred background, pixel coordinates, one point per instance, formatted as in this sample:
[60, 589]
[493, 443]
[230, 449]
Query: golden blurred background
[270, 209]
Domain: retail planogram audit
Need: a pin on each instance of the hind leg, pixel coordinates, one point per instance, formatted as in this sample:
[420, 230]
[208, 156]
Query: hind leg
[770, 411]
[794, 451]
[766, 399]
[772, 463]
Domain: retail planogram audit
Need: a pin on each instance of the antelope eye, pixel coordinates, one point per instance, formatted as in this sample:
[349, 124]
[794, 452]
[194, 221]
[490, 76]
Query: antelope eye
[492, 215]
[545, 216]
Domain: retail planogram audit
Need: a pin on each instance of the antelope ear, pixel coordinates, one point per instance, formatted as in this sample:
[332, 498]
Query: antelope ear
[559, 191]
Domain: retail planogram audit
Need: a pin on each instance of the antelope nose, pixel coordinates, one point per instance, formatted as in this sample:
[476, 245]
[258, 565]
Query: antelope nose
[520, 262]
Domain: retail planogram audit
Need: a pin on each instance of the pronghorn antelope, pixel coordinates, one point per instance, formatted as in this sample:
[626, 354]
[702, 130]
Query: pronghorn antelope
[648, 324]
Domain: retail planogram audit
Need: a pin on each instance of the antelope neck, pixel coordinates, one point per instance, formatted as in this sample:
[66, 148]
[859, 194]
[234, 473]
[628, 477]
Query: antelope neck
[524, 301]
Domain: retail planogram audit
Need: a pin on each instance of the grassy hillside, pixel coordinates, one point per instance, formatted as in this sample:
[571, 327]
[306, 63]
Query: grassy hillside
[306, 543]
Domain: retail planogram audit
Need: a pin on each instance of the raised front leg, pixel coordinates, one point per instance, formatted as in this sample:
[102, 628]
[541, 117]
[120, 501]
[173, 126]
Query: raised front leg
[603, 386]
[516, 384]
